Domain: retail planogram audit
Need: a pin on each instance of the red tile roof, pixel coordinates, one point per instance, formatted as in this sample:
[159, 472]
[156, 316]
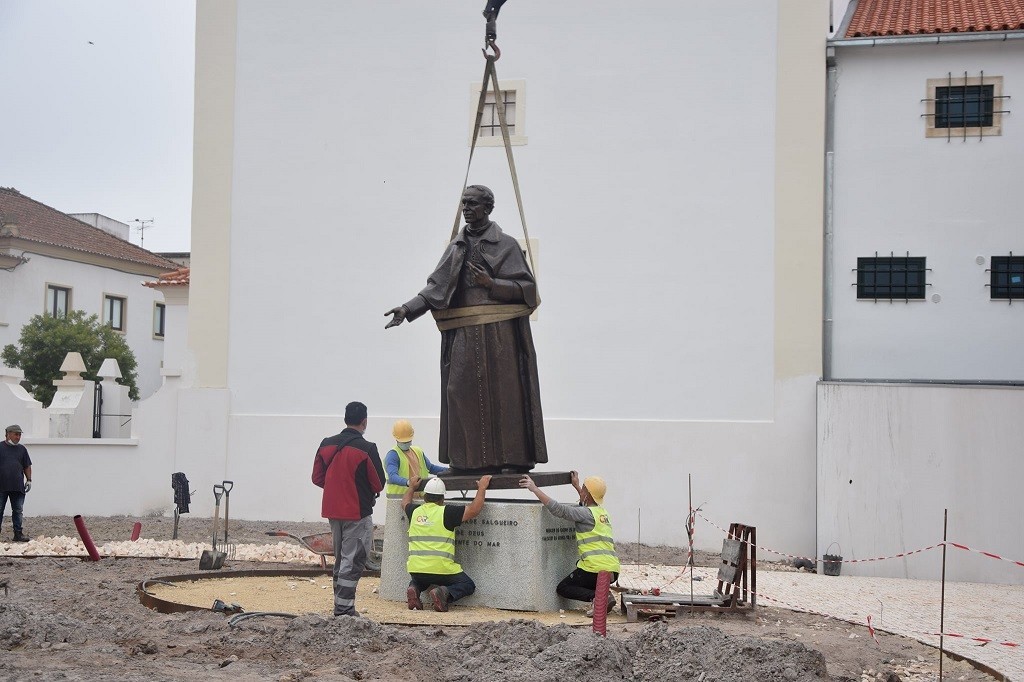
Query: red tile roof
[178, 278]
[913, 17]
[37, 222]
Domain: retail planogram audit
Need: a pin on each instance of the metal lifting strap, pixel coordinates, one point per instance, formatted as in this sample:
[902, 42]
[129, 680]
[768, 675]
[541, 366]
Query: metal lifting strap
[490, 73]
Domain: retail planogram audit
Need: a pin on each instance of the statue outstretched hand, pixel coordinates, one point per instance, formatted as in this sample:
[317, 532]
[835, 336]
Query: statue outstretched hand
[399, 316]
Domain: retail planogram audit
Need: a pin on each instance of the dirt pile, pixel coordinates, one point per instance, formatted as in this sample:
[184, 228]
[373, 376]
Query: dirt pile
[67, 619]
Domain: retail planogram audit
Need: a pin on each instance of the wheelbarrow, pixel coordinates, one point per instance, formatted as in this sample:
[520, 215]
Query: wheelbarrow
[323, 545]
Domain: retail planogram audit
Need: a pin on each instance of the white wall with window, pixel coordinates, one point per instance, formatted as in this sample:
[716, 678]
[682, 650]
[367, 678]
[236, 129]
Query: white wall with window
[918, 192]
[680, 227]
[45, 284]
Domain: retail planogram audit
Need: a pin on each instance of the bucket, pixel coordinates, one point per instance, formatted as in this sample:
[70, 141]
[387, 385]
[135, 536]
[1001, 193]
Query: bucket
[831, 563]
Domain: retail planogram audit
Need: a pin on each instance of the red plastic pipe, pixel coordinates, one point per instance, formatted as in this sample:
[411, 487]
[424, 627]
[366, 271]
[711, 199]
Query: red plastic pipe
[604, 579]
[136, 529]
[83, 532]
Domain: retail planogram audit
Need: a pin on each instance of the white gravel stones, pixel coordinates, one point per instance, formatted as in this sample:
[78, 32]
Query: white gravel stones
[281, 552]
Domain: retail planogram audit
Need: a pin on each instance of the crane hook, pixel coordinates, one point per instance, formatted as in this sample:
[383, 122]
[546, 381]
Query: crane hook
[497, 53]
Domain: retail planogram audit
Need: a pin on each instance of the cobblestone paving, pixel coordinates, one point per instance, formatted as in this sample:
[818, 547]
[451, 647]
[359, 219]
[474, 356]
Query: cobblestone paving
[905, 607]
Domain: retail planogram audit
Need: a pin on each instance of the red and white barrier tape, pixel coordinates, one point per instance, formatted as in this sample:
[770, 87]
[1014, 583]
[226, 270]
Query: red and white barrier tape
[871, 631]
[988, 554]
[983, 640]
[845, 561]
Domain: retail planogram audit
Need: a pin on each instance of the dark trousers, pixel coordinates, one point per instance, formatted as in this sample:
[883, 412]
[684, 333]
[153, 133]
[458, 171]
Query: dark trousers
[17, 506]
[580, 585]
[352, 542]
[459, 584]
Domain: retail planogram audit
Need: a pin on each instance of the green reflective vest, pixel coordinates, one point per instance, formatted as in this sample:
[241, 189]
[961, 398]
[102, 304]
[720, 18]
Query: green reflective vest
[431, 545]
[597, 549]
[395, 490]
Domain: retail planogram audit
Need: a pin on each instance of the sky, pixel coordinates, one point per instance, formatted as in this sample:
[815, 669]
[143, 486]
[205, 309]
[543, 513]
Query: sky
[96, 110]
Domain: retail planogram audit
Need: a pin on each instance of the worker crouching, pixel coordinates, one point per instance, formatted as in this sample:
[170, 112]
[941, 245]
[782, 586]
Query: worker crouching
[431, 562]
[593, 538]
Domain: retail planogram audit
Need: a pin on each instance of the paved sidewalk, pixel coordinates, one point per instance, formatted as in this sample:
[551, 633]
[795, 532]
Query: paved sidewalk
[900, 606]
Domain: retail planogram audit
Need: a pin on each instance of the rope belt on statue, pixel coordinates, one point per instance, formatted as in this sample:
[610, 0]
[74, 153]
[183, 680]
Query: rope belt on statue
[490, 74]
[455, 318]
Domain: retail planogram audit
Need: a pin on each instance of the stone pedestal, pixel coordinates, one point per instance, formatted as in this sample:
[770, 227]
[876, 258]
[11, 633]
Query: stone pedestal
[515, 551]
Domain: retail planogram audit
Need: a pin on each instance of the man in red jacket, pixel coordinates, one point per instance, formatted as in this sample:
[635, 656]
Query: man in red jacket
[348, 468]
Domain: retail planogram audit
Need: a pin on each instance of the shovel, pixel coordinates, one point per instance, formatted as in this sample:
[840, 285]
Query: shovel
[229, 547]
[211, 559]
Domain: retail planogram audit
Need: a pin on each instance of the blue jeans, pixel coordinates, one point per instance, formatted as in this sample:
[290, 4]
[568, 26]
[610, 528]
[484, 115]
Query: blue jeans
[459, 584]
[17, 506]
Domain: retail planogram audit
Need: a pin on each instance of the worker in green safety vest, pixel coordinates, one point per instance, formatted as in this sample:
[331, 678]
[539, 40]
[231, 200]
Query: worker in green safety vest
[432, 525]
[406, 460]
[593, 538]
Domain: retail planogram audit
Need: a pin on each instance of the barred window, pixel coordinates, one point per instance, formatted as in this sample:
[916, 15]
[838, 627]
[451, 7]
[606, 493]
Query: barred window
[890, 278]
[1007, 277]
[965, 106]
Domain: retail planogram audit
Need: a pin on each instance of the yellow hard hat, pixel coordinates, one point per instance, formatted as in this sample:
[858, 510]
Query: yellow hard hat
[596, 487]
[402, 431]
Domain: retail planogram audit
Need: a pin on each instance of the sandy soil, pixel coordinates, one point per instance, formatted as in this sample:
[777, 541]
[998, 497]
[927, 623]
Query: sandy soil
[64, 618]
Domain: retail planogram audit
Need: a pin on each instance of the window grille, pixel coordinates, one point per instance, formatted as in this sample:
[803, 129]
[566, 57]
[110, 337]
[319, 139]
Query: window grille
[490, 126]
[969, 105]
[891, 278]
[1006, 278]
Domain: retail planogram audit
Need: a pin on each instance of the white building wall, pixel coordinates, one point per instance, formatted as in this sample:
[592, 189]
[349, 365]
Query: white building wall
[675, 336]
[952, 202]
[23, 294]
[892, 458]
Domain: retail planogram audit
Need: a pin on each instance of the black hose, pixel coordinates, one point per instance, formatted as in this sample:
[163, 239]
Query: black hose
[235, 620]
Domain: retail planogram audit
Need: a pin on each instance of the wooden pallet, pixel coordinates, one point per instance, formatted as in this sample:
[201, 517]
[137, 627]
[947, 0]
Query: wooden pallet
[737, 583]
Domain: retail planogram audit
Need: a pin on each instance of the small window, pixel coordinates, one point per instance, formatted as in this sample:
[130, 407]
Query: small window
[159, 315]
[965, 106]
[58, 300]
[113, 312]
[971, 106]
[513, 96]
[490, 124]
[900, 277]
[1007, 277]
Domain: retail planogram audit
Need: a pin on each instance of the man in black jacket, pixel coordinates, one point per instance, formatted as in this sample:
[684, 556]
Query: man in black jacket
[15, 478]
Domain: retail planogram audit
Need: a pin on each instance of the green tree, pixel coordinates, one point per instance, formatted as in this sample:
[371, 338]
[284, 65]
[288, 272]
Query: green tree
[46, 340]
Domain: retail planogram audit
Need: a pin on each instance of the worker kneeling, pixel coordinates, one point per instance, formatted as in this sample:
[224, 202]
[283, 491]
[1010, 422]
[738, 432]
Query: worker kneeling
[432, 525]
[593, 538]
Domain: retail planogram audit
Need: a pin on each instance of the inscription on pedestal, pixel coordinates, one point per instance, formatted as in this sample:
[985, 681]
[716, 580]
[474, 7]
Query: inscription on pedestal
[515, 551]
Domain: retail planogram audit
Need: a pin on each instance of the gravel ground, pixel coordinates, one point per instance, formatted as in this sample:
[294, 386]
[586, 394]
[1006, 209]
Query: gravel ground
[64, 618]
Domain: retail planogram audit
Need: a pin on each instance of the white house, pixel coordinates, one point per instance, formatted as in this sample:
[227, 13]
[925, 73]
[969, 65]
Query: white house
[53, 262]
[924, 285]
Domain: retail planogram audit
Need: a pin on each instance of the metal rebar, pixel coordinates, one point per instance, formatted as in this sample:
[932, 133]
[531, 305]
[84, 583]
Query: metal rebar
[942, 600]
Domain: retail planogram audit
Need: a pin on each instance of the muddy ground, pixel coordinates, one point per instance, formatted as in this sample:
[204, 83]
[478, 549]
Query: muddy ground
[68, 619]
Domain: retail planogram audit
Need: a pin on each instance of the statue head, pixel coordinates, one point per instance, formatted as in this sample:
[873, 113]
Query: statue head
[481, 194]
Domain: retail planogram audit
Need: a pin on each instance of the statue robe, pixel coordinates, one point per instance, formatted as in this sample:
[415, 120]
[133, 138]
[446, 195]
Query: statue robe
[490, 392]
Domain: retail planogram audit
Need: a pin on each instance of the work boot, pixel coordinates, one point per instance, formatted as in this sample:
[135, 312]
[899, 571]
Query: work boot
[610, 605]
[18, 537]
[440, 597]
[412, 597]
